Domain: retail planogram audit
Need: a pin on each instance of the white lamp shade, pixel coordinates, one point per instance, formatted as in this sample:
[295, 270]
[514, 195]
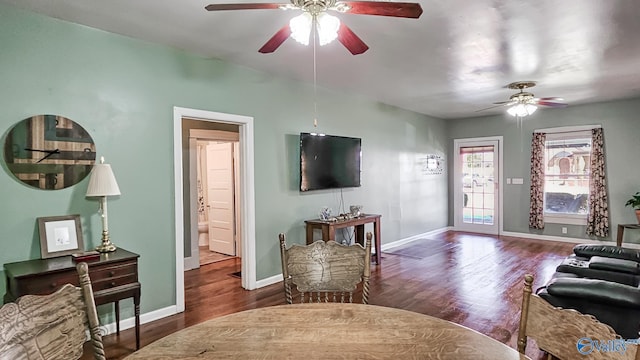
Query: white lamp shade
[301, 28]
[328, 26]
[102, 182]
[522, 109]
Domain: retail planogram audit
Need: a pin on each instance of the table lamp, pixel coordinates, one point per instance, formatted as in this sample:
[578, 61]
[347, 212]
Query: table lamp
[102, 183]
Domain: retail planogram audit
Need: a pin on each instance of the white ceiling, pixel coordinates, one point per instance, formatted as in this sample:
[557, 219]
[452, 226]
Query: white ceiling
[457, 58]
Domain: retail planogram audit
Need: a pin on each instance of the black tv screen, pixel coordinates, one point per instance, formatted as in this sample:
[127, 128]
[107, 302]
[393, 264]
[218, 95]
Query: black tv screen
[329, 162]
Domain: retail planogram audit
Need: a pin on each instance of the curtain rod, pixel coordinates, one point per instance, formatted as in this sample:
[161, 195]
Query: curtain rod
[567, 129]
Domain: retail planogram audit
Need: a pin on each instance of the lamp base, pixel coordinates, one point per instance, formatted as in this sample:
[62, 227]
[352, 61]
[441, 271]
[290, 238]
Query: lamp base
[106, 246]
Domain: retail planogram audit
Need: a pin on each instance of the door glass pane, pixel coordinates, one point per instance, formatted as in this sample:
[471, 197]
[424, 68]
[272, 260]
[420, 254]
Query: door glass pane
[478, 184]
[467, 215]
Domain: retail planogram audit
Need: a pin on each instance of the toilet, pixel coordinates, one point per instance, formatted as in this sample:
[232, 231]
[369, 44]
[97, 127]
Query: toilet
[203, 234]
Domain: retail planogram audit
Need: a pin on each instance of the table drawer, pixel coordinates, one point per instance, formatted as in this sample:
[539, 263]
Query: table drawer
[105, 273]
[47, 284]
[113, 282]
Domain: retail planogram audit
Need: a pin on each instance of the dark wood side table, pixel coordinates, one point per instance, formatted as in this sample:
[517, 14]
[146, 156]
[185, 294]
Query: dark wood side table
[329, 230]
[114, 277]
[621, 228]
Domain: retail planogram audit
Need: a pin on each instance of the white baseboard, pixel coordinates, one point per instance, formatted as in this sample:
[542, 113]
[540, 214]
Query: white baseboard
[269, 281]
[566, 239]
[144, 318]
[414, 238]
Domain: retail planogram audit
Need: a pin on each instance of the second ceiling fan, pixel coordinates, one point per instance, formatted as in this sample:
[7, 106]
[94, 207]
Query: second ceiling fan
[524, 103]
[314, 14]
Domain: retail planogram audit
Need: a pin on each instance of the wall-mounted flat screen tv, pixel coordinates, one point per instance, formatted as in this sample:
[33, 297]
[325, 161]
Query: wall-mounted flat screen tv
[329, 162]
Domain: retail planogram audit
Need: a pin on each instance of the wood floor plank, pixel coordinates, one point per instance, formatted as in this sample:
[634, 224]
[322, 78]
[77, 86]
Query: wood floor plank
[471, 279]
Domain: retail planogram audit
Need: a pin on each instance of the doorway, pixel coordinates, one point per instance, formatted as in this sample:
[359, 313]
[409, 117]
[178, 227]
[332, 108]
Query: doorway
[477, 186]
[215, 192]
[246, 206]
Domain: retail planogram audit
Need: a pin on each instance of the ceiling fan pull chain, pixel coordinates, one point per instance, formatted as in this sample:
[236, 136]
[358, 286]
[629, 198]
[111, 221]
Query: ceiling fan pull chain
[315, 78]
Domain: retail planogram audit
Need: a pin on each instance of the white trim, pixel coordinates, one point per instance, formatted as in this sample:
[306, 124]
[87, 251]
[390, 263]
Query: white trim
[400, 242]
[178, 216]
[560, 129]
[497, 177]
[567, 239]
[218, 135]
[269, 281]
[129, 323]
[247, 189]
[193, 261]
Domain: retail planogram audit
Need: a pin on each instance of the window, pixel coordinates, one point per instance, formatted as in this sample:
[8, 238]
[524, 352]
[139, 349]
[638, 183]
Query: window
[566, 180]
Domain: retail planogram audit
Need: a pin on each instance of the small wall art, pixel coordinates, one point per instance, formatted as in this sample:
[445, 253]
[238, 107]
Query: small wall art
[60, 235]
[432, 164]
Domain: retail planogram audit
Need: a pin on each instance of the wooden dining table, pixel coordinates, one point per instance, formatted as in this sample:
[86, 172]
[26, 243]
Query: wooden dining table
[326, 331]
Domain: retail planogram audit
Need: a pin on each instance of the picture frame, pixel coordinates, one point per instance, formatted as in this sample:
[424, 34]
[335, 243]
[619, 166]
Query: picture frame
[60, 235]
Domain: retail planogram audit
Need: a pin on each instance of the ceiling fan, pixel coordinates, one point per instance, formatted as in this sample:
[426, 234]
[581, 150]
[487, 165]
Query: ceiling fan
[524, 103]
[314, 14]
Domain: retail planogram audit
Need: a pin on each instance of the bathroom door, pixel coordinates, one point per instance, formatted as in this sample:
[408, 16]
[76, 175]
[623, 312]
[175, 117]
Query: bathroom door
[220, 184]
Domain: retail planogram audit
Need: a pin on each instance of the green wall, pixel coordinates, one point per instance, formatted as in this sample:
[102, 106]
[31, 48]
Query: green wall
[123, 92]
[619, 119]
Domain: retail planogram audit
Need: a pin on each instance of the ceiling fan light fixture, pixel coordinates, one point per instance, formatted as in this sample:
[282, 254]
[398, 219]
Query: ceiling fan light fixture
[328, 26]
[301, 28]
[522, 110]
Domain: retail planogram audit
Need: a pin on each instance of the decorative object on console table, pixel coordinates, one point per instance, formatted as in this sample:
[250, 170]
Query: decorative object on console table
[60, 235]
[49, 152]
[102, 184]
[325, 213]
[634, 202]
[114, 277]
[85, 256]
[355, 210]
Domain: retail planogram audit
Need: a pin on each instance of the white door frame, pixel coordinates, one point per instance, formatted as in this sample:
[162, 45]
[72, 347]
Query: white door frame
[457, 179]
[247, 186]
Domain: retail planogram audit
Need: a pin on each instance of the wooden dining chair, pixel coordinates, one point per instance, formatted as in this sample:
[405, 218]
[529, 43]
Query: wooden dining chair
[52, 327]
[567, 334]
[326, 271]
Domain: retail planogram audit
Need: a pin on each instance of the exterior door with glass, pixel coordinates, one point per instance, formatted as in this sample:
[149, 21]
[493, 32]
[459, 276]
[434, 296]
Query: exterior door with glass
[476, 183]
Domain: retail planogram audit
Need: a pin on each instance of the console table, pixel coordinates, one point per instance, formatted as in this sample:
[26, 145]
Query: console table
[329, 230]
[114, 277]
[621, 228]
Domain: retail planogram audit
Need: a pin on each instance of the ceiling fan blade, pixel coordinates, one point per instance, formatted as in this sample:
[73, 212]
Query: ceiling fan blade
[551, 104]
[397, 9]
[276, 40]
[351, 41]
[503, 104]
[552, 98]
[249, 6]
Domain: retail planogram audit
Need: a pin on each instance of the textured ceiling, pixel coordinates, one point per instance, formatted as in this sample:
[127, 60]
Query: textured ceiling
[456, 59]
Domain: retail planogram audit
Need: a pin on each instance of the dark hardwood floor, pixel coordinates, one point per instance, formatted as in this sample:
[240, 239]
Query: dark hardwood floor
[471, 279]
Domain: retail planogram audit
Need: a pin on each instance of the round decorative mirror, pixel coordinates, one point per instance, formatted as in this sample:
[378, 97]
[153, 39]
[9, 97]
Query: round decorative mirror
[49, 152]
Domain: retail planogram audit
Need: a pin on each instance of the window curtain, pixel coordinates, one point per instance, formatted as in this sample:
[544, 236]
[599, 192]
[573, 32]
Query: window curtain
[536, 204]
[598, 217]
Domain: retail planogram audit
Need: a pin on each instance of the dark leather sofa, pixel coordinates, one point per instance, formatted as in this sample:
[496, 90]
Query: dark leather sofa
[600, 280]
